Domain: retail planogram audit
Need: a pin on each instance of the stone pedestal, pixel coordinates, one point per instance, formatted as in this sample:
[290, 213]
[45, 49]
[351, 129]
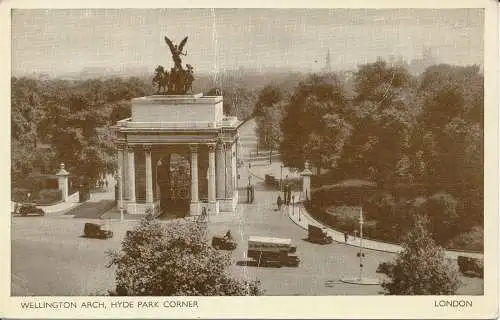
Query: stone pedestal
[62, 180]
[306, 181]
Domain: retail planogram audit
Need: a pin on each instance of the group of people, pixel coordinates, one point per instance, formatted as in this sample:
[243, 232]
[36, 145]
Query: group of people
[287, 197]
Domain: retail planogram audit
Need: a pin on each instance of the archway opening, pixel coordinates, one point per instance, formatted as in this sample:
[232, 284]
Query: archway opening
[173, 185]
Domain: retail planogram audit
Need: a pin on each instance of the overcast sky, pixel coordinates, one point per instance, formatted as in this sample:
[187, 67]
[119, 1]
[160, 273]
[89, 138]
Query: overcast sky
[59, 41]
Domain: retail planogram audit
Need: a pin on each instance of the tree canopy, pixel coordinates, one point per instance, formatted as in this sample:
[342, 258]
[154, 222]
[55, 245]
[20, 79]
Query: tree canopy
[314, 125]
[420, 133]
[421, 268]
[66, 121]
[174, 259]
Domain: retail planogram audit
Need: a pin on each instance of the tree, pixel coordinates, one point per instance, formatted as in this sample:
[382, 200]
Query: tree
[268, 96]
[314, 125]
[268, 127]
[421, 268]
[383, 118]
[450, 136]
[174, 259]
[441, 208]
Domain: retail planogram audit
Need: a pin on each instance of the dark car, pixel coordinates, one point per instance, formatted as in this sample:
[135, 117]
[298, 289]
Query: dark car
[385, 268]
[318, 235]
[93, 230]
[471, 267]
[30, 209]
[222, 243]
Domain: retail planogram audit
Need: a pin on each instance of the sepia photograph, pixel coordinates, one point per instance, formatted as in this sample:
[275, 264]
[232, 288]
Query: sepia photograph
[190, 152]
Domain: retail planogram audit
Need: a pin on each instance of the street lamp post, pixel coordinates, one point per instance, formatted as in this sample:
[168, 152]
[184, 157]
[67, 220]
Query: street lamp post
[281, 177]
[361, 280]
[361, 254]
[299, 207]
[270, 152]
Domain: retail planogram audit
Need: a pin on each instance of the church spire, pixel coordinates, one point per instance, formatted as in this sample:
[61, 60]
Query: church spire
[328, 65]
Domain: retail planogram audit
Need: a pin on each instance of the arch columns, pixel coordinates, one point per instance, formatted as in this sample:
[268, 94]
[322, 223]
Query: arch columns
[221, 171]
[131, 173]
[228, 148]
[194, 208]
[212, 200]
[149, 177]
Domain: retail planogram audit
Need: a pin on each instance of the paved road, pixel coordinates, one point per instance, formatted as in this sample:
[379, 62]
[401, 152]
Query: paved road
[50, 258]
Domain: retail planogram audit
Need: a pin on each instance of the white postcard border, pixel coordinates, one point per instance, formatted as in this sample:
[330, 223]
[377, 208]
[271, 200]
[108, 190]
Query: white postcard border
[341, 307]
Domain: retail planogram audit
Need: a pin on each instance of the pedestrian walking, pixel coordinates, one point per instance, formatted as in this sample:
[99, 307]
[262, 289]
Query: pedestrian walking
[249, 194]
[279, 202]
[346, 236]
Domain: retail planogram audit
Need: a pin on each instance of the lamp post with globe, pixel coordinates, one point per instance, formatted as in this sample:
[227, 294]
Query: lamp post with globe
[361, 279]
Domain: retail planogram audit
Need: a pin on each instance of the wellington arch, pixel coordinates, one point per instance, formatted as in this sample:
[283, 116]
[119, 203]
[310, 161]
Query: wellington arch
[177, 154]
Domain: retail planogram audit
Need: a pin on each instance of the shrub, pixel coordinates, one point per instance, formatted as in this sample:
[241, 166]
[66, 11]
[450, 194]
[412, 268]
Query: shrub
[174, 259]
[19, 194]
[421, 268]
[472, 240]
[48, 196]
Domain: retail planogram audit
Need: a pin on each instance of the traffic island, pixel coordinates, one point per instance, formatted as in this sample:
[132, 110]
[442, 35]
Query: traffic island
[361, 281]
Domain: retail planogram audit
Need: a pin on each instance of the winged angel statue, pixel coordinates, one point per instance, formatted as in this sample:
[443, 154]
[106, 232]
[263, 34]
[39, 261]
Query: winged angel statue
[177, 51]
[178, 80]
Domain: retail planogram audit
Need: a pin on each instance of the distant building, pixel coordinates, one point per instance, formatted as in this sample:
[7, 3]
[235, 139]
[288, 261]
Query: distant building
[419, 65]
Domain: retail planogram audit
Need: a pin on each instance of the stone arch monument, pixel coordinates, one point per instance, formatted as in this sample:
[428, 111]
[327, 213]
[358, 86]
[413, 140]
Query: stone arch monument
[194, 129]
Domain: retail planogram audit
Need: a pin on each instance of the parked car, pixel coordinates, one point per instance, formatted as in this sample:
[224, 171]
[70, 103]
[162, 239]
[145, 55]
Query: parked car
[223, 243]
[30, 209]
[385, 268]
[318, 235]
[93, 230]
[470, 266]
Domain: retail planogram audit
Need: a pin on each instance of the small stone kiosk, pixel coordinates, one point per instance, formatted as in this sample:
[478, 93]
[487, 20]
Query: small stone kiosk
[177, 148]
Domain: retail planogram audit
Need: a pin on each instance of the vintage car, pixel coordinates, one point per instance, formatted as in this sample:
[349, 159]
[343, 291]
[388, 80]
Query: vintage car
[222, 243]
[470, 266]
[385, 268]
[30, 209]
[93, 230]
[318, 235]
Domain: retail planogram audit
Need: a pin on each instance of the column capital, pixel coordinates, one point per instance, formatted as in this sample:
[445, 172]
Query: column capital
[228, 144]
[120, 146]
[193, 147]
[211, 147]
[147, 147]
[130, 147]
